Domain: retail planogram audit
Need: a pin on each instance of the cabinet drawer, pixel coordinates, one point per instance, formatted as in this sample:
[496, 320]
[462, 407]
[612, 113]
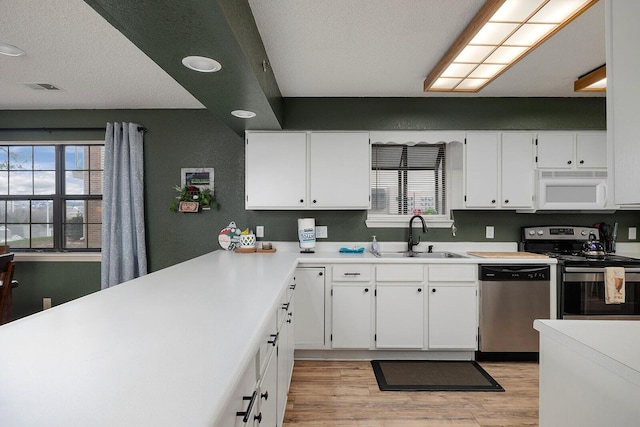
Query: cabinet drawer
[351, 273]
[453, 273]
[400, 273]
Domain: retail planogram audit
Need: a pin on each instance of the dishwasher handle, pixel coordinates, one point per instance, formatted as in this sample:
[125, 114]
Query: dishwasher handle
[514, 272]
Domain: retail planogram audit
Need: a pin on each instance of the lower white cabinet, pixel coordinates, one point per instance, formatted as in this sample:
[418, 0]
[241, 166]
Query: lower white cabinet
[351, 316]
[351, 306]
[400, 302]
[310, 311]
[452, 317]
[400, 316]
[285, 350]
[453, 307]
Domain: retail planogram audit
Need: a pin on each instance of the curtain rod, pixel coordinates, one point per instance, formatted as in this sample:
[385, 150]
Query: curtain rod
[140, 128]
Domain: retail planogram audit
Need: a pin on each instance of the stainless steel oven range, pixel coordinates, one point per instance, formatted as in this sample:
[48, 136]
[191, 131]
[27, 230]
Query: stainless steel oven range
[580, 281]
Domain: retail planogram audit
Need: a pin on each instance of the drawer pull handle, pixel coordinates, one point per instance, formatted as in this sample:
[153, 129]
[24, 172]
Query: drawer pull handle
[351, 274]
[285, 306]
[245, 414]
[274, 339]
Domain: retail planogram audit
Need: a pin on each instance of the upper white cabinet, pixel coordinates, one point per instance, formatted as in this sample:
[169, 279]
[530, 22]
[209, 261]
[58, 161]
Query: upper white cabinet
[499, 170]
[307, 170]
[572, 150]
[276, 168]
[623, 92]
[339, 170]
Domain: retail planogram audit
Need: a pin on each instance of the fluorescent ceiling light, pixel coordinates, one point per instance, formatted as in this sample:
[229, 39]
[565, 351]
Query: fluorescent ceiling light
[501, 33]
[201, 64]
[593, 81]
[11, 50]
[243, 114]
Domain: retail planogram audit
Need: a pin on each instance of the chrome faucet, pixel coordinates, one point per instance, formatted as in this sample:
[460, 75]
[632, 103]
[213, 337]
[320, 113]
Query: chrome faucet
[411, 243]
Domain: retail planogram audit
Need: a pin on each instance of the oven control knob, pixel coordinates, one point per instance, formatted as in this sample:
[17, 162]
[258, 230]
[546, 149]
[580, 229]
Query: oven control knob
[583, 232]
[532, 232]
[540, 232]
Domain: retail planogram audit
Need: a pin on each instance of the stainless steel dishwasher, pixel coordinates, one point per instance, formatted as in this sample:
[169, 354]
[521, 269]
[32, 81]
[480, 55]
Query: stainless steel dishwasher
[511, 297]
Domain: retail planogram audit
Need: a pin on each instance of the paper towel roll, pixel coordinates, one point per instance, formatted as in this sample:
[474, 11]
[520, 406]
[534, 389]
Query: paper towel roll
[307, 232]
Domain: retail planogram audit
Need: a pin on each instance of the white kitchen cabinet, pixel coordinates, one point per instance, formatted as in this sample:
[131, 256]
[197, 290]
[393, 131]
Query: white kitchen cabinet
[352, 306]
[453, 307]
[572, 150]
[285, 354]
[275, 170]
[499, 171]
[400, 304]
[307, 170]
[623, 92]
[268, 405]
[452, 317]
[351, 315]
[339, 170]
[310, 308]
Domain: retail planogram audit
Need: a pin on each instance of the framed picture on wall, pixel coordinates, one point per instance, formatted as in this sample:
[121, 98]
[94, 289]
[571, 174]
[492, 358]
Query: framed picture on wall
[198, 177]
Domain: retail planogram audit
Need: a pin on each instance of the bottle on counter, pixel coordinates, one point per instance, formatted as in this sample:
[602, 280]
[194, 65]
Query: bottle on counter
[374, 245]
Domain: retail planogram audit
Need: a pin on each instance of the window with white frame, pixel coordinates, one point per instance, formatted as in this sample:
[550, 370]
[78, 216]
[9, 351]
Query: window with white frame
[51, 196]
[407, 180]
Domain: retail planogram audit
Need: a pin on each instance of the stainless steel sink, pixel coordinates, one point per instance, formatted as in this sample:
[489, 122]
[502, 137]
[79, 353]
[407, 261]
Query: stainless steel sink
[406, 254]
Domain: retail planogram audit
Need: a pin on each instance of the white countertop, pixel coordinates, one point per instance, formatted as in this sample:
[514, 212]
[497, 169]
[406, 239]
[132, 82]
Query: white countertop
[161, 350]
[612, 344]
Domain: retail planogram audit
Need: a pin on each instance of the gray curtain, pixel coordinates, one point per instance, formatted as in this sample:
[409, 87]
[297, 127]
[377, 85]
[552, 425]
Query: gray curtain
[124, 255]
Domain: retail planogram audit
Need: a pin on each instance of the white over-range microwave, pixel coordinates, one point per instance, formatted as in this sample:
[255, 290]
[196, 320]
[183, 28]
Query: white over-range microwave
[570, 190]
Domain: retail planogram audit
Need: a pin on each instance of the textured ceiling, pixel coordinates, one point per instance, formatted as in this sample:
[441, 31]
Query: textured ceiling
[126, 54]
[387, 48]
[72, 47]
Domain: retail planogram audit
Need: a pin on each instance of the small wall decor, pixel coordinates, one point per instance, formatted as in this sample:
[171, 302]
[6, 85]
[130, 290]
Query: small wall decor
[196, 191]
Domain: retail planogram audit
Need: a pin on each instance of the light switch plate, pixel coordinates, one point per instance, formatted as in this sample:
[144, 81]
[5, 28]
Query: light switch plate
[46, 303]
[259, 230]
[489, 232]
[632, 233]
[321, 232]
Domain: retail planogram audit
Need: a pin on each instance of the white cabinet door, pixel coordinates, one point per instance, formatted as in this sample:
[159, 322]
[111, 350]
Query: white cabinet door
[517, 168]
[623, 92]
[340, 170]
[591, 150]
[399, 316]
[481, 178]
[275, 170]
[453, 317]
[555, 150]
[351, 313]
[268, 394]
[285, 363]
[310, 316]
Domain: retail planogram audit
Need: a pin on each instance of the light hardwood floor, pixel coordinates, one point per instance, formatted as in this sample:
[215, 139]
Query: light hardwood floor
[340, 394]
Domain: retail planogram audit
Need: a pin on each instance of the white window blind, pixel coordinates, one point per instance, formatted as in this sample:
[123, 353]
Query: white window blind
[408, 179]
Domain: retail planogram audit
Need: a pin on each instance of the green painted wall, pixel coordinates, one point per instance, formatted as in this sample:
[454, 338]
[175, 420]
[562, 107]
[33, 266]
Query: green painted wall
[195, 138]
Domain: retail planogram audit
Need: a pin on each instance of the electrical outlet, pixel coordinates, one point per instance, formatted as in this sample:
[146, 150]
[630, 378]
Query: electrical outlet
[321, 232]
[46, 303]
[489, 232]
[259, 230]
[632, 233]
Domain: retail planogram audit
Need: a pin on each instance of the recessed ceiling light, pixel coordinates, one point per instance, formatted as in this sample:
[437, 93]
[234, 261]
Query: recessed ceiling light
[201, 63]
[243, 114]
[11, 50]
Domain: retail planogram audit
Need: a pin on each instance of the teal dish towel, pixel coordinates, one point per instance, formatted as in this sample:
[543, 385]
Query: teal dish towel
[351, 251]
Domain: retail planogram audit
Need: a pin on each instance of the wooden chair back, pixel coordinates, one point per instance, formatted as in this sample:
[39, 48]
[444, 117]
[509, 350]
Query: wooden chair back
[6, 276]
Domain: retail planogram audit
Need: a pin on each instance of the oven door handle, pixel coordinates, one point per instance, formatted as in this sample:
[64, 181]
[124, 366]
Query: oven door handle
[596, 270]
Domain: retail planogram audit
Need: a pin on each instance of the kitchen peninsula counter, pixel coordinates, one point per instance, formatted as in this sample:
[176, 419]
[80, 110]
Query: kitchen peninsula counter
[161, 350]
[589, 372]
